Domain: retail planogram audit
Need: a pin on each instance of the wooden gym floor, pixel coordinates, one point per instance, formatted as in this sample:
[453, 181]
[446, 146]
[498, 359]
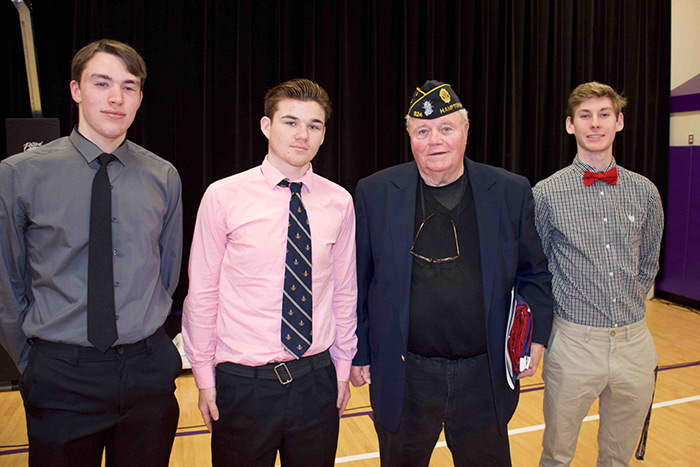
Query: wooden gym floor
[674, 435]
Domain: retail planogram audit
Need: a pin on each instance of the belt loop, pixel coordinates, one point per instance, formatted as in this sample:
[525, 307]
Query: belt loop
[150, 341]
[153, 339]
[587, 334]
[147, 345]
[76, 356]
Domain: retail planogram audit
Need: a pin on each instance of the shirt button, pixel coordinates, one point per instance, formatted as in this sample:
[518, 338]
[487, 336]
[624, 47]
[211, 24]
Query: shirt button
[610, 274]
[117, 284]
[114, 219]
[115, 252]
[607, 246]
[614, 300]
[605, 219]
[602, 193]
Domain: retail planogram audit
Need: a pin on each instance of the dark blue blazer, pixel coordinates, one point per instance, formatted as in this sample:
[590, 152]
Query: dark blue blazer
[511, 252]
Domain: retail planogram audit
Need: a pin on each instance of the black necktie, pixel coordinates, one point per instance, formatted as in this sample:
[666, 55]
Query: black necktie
[102, 325]
[296, 299]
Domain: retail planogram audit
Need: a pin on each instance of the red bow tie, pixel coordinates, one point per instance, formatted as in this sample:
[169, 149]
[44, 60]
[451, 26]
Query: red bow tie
[609, 177]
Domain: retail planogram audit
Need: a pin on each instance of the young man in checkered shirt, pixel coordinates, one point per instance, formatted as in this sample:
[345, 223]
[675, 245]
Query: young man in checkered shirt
[601, 228]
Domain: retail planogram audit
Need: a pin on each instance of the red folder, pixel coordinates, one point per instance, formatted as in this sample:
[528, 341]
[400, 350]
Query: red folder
[518, 338]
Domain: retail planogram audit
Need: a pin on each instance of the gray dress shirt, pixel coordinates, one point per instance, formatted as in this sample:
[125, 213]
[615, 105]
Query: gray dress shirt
[602, 242]
[44, 233]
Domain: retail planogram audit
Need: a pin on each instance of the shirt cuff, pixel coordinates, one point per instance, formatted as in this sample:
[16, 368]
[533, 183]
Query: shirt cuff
[342, 369]
[204, 376]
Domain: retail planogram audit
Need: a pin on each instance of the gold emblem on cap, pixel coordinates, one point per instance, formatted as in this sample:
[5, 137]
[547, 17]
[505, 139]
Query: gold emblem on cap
[445, 96]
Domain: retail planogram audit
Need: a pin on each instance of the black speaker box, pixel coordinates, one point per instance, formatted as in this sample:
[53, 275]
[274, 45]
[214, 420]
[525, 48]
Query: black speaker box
[26, 133]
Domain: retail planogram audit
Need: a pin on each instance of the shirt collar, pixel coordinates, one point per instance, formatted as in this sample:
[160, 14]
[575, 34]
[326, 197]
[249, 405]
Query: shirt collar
[582, 167]
[90, 151]
[273, 176]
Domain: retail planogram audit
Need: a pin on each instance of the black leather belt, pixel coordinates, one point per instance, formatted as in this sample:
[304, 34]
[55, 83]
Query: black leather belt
[61, 349]
[284, 372]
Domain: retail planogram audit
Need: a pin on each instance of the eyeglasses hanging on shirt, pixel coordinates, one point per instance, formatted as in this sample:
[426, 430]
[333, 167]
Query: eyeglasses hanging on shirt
[435, 260]
[433, 233]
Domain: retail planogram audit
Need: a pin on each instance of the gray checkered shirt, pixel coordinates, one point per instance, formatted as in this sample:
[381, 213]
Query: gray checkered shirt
[602, 242]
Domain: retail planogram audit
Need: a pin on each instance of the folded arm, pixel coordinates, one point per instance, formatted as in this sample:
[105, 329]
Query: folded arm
[14, 284]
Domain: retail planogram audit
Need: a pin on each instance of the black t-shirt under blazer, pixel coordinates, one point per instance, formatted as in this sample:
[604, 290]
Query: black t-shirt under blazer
[447, 313]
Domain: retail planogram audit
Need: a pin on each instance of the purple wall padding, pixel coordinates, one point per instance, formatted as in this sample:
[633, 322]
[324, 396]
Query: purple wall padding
[692, 266]
[685, 103]
[681, 274]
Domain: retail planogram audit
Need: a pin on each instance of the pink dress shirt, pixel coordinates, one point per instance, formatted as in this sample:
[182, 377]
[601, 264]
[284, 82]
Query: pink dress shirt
[232, 312]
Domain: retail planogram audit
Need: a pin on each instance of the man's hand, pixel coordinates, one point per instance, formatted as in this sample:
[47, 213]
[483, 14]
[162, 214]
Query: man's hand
[207, 405]
[535, 357]
[359, 375]
[343, 396]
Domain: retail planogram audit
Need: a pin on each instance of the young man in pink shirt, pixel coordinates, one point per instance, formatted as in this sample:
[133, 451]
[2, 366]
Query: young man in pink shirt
[269, 321]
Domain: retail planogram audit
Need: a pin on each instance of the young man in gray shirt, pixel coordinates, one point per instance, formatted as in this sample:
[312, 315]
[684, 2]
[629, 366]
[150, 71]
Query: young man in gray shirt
[91, 240]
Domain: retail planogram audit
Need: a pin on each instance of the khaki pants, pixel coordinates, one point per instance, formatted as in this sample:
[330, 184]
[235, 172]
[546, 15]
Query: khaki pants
[583, 363]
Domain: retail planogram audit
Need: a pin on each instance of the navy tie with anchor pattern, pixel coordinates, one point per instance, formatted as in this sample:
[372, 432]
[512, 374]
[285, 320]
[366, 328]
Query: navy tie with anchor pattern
[297, 300]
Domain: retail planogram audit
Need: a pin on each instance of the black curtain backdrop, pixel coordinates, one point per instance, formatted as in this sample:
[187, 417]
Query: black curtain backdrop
[513, 64]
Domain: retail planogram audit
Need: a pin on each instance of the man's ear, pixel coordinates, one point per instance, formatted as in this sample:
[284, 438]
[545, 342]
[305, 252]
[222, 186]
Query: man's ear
[569, 126]
[620, 122]
[265, 123]
[75, 91]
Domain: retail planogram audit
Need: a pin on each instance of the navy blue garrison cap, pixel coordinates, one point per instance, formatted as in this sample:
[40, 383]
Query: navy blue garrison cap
[434, 100]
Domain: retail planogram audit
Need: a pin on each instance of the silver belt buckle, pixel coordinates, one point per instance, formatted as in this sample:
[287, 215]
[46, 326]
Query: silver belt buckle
[287, 378]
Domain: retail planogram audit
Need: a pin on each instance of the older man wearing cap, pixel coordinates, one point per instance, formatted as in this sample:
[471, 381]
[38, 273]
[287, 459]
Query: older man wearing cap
[440, 243]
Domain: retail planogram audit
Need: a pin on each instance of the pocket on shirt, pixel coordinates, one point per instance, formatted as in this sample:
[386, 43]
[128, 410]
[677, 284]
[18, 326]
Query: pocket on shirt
[632, 238]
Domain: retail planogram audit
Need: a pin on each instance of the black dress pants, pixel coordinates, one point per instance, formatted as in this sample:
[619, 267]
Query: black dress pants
[258, 415]
[79, 401]
[456, 395]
